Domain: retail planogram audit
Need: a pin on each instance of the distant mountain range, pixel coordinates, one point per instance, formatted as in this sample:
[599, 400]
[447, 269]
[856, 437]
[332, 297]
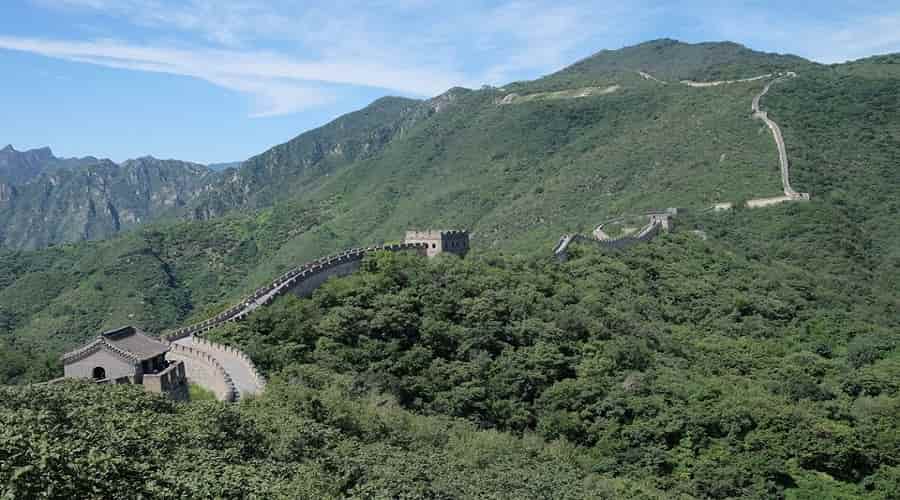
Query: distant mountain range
[218, 167]
[18, 167]
[46, 200]
[614, 133]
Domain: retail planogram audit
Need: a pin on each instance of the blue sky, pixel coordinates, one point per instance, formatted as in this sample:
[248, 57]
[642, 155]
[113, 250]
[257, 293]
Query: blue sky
[221, 80]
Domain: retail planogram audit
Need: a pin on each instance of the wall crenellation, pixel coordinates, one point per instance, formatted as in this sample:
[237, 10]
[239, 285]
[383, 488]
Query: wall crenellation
[659, 221]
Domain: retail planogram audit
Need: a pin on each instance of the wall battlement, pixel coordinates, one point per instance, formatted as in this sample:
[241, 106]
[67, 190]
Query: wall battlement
[659, 221]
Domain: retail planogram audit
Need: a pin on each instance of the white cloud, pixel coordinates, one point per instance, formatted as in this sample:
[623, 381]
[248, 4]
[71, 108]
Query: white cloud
[224, 22]
[854, 34]
[278, 83]
[423, 47]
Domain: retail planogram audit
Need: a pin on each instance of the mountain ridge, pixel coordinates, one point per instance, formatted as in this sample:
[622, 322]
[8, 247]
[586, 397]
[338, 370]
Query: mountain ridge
[66, 199]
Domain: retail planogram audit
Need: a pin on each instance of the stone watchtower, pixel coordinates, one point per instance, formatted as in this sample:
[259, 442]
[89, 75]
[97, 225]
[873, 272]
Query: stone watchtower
[663, 218]
[128, 356]
[440, 241]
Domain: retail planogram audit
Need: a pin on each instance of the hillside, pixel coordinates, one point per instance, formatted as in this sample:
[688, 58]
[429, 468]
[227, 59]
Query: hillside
[517, 175]
[286, 171]
[525, 162]
[678, 369]
[46, 200]
[751, 353]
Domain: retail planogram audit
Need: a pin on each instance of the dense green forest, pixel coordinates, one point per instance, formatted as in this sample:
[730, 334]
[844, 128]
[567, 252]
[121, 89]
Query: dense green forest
[676, 369]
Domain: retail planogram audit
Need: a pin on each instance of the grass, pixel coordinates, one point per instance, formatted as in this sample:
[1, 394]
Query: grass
[197, 393]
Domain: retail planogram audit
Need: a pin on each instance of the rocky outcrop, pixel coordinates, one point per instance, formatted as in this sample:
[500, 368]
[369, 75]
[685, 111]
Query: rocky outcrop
[289, 169]
[97, 200]
[18, 167]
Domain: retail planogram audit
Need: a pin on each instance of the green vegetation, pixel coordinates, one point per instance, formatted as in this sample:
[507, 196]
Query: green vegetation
[317, 440]
[676, 369]
[759, 362]
[716, 375]
[197, 393]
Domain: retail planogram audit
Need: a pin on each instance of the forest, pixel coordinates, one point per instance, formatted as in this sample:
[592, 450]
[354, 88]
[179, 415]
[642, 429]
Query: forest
[677, 369]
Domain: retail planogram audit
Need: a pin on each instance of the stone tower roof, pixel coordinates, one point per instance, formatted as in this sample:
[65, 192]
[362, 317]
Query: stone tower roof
[127, 342]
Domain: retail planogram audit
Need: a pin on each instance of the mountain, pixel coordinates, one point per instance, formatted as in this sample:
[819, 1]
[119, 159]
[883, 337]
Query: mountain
[668, 59]
[750, 353]
[532, 159]
[518, 166]
[288, 170]
[72, 200]
[17, 167]
[509, 158]
[218, 167]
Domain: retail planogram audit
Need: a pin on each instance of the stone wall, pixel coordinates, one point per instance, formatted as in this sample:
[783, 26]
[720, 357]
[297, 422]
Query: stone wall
[438, 241]
[204, 370]
[658, 222]
[223, 350]
[172, 381]
[287, 281]
[203, 362]
[114, 366]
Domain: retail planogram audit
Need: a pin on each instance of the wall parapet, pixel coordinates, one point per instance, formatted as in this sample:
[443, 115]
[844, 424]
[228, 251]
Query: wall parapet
[235, 353]
[647, 233]
[210, 353]
[265, 295]
[221, 384]
[167, 380]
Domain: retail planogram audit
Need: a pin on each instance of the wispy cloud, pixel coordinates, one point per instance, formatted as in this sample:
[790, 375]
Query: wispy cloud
[279, 84]
[224, 22]
[858, 31]
[290, 55]
[415, 47]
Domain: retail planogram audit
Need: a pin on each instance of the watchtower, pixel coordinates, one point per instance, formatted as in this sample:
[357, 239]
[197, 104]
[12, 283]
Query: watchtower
[439, 241]
[663, 218]
[128, 356]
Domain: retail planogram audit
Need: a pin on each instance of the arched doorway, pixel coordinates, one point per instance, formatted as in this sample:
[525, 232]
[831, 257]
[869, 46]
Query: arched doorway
[99, 373]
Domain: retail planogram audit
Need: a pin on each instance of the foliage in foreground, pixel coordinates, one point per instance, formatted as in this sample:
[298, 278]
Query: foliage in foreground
[675, 369]
[313, 436]
[675, 364]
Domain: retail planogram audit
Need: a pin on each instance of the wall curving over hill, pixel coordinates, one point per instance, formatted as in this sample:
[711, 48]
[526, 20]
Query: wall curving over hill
[240, 372]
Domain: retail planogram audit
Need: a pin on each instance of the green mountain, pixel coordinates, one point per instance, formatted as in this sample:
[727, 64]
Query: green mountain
[288, 170]
[517, 171]
[45, 200]
[527, 161]
[752, 353]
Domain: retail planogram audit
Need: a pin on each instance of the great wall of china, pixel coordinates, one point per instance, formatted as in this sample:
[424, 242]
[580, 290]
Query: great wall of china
[661, 221]
[229, 373]
[757, 113]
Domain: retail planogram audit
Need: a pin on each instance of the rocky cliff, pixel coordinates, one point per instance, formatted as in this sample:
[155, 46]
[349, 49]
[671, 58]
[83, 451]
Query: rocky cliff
[46, 200]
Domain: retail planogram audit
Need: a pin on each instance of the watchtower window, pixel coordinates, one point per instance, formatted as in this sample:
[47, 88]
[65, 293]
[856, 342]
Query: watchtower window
[99, 373]
[434, 245]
